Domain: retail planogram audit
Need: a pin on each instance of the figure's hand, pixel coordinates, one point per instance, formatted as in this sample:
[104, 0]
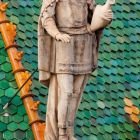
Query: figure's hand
[45, 75]
[63, 37]
[107, 15]
[48, 75]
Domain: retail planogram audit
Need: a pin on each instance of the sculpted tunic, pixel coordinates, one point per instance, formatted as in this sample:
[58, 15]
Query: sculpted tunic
[75, 57]
[80, 55]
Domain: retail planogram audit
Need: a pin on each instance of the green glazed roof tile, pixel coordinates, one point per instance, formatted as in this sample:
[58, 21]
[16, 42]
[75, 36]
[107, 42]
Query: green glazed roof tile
[10, 92]
[19, 134]
[4, 84]
[93, 137]
[8, 135]
[29, 134]
[85, 130]
[6, 67]
[21, 110]
[17, 118]
[12, 109]
[23, 126]
[17, 101]
[12, 126]
[2, 93]
[2, 126]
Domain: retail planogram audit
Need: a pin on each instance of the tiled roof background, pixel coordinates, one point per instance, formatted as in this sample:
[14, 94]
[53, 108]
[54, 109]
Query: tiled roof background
[101, 115]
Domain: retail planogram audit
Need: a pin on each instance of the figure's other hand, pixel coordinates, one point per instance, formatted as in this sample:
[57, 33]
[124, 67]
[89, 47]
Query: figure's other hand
[108, 15]
[44, 77]
[63, 37]
[48, 75]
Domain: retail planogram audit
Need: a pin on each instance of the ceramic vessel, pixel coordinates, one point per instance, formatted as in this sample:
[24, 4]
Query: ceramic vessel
[98, 21]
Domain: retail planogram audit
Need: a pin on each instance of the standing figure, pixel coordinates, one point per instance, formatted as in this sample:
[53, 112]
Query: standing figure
[67, 55]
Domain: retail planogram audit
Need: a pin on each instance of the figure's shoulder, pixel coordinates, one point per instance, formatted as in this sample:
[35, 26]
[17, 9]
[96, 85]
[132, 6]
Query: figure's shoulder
[47, 3]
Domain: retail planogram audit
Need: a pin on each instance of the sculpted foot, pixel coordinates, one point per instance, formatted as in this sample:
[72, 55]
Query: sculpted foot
[63, 134]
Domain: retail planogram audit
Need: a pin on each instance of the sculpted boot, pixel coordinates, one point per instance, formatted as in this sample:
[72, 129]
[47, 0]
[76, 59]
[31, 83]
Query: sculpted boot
[63, 134]
[70, 131]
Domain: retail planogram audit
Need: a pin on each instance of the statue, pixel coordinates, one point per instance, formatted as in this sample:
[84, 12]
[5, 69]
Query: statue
[67, 55]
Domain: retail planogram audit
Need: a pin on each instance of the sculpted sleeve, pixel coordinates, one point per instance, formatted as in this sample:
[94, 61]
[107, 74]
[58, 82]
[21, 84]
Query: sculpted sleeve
[45, 40]
[48, 19]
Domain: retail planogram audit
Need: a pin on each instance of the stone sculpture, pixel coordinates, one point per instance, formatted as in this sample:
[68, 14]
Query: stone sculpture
[67, 54]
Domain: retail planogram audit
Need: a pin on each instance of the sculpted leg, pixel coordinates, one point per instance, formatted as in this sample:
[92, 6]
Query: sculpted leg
[70, 92]
[51, 130]
[79, 84]
[65, 84]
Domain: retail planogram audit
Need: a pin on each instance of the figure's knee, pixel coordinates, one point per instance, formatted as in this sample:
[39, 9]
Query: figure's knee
[65, 83]
[76, 93]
